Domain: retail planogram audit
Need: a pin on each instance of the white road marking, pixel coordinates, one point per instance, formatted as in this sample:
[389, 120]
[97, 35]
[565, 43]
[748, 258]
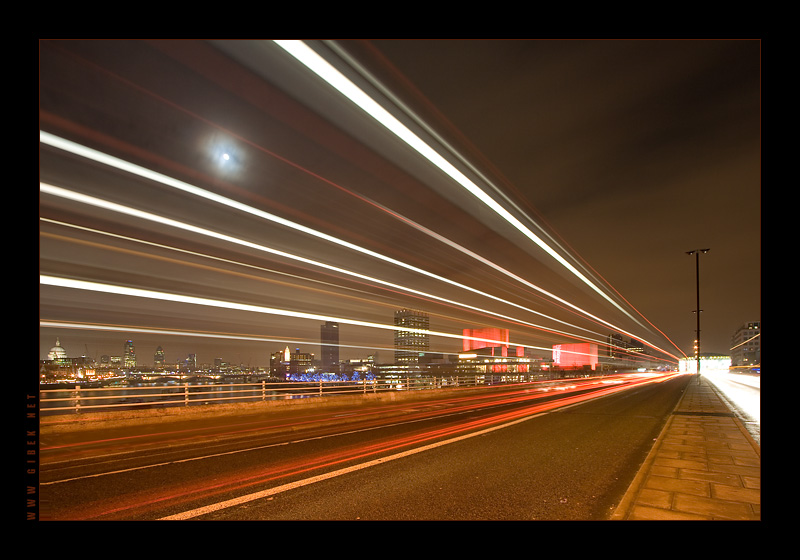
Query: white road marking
[305, 482]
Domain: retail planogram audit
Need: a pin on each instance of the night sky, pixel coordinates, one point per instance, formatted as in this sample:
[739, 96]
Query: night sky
[633, 151]
[630, 152]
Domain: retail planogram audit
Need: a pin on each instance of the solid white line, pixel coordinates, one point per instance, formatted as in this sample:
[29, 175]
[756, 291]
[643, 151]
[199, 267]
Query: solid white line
[305, 482]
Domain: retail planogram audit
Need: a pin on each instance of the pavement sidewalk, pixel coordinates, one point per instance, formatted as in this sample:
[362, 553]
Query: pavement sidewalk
[704, 466]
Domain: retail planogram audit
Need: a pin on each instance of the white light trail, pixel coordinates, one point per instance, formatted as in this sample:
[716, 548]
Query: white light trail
[271, 271]
[194, 334]
[452, 244]
[314, 62]
[117, 163]
[115, 207]
[746, 341]
[207, 302]
[406, 110]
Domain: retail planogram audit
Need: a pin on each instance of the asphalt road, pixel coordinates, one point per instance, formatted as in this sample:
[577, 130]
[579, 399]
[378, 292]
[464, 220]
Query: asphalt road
[516, 459]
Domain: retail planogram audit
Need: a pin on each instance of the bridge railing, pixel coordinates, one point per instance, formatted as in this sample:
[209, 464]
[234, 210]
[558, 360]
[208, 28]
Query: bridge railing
[126, 397]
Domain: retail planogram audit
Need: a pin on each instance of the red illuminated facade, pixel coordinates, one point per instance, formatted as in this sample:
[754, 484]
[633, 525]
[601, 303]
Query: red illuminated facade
[494, 339]
[575, 356]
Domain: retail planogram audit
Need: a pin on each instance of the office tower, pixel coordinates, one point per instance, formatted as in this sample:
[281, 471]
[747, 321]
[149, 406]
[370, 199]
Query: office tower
[129, 355]
[617, 345]
[301, 362]
[746, 345]
[411, 339]
[329, 337]
[159, 358]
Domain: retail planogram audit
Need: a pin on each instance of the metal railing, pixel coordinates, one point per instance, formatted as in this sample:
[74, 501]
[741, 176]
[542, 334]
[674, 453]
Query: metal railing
[127, 397]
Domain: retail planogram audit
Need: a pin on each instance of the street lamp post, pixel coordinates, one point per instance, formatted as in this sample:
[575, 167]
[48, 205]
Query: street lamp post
[696, 253]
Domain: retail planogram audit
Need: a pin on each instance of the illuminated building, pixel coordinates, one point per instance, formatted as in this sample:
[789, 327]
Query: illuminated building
[575, 356]
[636, 347]
[362, 367]
[329, 337]
[626, 353]
[746, 345]
[286, 363]
[189, 363]
[495, 368]
[411, 339]
[279, 363]
[129, 355]
[301, 362]
[616, 345]
[500, 336]
[491, 357]
[220, 365]
[57, 354]
[159, 358]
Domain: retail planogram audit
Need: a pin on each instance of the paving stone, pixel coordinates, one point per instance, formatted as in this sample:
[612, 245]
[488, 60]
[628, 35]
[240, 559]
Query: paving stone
[667, 484]
[703, 467]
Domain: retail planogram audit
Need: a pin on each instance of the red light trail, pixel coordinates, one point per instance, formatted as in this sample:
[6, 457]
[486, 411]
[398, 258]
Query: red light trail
[569, 393]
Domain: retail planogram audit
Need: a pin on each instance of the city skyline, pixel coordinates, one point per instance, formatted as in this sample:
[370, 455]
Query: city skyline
[255, 354]
[472, 339]
[267, 348]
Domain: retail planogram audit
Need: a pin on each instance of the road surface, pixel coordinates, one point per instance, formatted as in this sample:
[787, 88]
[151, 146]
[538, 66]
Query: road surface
[520, 453]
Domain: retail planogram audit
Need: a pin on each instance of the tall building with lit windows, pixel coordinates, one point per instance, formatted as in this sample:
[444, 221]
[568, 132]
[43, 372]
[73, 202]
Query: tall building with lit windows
[411, 339]
[746, 345]
[616, 346]
[159, 358]
[329, 337]
[129, 355]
